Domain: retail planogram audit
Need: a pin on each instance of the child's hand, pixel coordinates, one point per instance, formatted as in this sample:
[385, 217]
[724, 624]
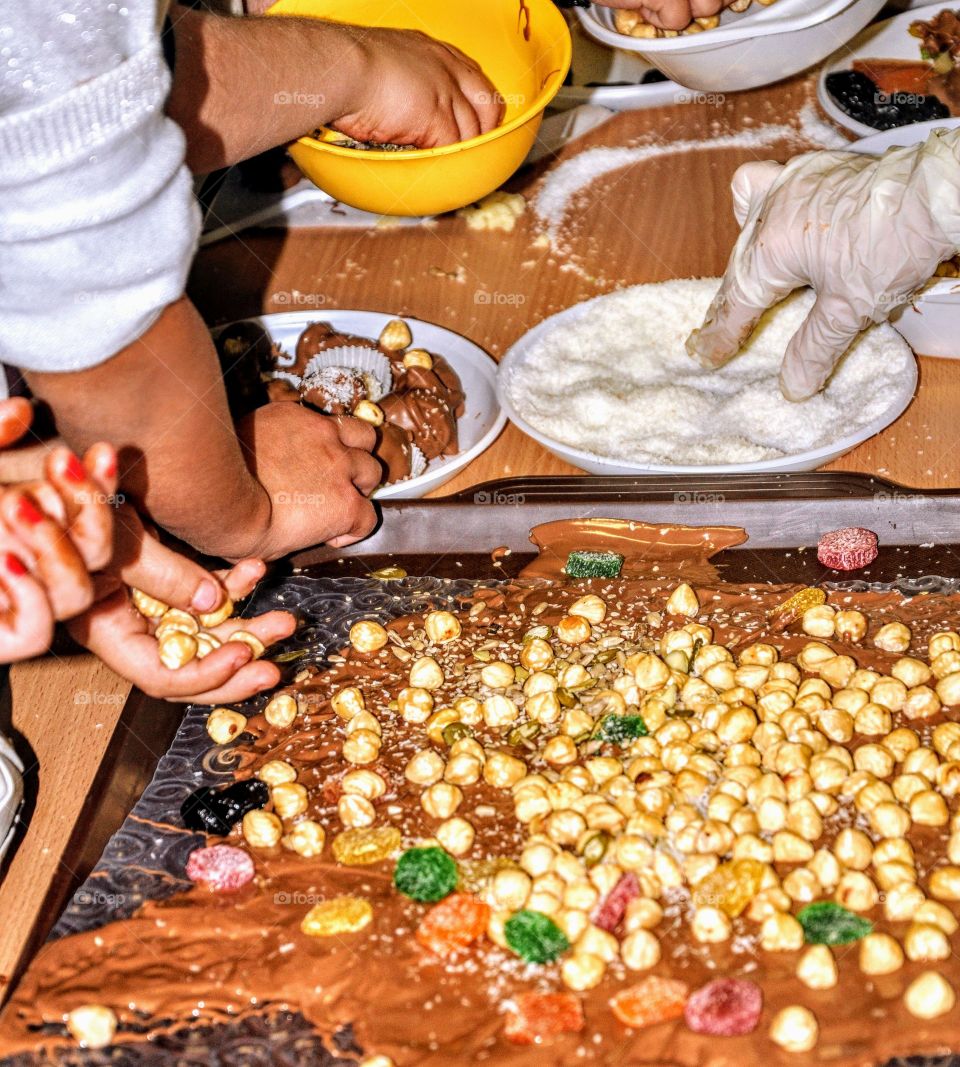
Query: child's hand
[121, 637]
[418, 91]
[670, 14]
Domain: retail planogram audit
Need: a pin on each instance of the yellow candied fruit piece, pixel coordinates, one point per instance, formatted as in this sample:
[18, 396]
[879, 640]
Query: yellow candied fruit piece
[366, 845]
[731, 887]
[339, 915]
[475, 874]
[389, 574]
[794, 607]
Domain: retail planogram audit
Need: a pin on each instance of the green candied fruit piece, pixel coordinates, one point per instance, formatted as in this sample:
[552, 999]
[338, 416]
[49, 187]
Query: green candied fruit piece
[826, 923]
[591, 564]
[535, 937]
[426, 874]
[620, 728]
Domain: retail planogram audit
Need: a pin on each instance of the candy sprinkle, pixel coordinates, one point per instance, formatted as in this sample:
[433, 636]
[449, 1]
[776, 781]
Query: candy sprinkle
[731, 886]
[827, 923]
[652, 1000]
[848, 549]
[619, 729]
[222, 868]
[591, 564]
[389, 574]
[535, 1017]
[339, 915]
[453, 924]
[535, 937]
[794, 607]
[365, 845]
[725, 1007]
[426, 874]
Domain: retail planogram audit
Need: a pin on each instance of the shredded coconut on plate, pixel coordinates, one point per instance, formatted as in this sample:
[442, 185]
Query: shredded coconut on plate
[618, 383]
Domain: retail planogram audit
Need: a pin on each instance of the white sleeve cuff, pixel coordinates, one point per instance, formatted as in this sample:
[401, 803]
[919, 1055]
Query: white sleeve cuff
[98, 223]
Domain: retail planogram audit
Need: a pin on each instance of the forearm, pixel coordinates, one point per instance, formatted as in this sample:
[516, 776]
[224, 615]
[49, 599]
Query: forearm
[162, 403]
[243, 85]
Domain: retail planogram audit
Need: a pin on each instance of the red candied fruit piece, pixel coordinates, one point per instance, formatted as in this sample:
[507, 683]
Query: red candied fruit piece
[453, 924]
[725, 1007]
[220, 867]
[652, 1000]
[848, 549]
[609, 913]
[536, 1017]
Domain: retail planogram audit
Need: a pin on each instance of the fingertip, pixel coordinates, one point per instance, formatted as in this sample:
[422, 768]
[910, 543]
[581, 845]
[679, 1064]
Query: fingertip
[16, 414]
[207, 596]
[101, 463]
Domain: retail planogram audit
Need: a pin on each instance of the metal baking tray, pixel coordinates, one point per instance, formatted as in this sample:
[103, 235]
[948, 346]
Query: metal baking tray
[784, 516]
[445, 545]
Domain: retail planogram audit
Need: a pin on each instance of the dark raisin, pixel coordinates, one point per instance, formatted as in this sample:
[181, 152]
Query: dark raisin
[216, 811]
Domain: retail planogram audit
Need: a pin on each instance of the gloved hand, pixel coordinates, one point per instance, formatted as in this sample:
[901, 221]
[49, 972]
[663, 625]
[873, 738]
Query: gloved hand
[864, 233]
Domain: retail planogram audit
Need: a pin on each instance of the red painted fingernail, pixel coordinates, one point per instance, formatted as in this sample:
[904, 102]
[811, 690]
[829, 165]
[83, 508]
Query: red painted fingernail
[13, 565]
[74, 470]
[28, 512]
[110, 466]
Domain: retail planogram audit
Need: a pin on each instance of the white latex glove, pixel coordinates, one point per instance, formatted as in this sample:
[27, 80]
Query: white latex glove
[864, 233]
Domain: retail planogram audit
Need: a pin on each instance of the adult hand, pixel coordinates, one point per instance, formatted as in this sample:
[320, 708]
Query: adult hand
[863, 233]
[52, 534]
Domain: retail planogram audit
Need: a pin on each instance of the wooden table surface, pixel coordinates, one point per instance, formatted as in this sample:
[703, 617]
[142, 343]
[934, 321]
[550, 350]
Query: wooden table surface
[666, 217]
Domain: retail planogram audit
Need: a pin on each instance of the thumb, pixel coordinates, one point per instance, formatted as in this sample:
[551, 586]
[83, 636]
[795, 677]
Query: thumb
[142, 562]
[750, 186]
[817, 347]
[747, 289]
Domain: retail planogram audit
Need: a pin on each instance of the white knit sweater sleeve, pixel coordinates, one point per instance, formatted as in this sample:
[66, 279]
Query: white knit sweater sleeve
[98, 223]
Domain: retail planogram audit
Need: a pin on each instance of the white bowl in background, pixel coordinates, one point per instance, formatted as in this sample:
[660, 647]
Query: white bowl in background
[594, 464]
[481, 422]
[611, 78]
[931, 323]
[759, 46]
[889, 39]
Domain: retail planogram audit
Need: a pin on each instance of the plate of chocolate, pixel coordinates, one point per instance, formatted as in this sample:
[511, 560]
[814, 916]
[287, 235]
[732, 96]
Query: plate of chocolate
[429, 393]
[896, 73]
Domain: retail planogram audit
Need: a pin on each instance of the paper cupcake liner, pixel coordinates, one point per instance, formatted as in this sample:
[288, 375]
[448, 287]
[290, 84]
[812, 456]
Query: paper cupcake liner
[372, 364]
[283, 376]
[418, 462]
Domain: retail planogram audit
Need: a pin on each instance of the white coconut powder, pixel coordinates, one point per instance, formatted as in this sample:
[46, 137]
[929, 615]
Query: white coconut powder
[619, 383]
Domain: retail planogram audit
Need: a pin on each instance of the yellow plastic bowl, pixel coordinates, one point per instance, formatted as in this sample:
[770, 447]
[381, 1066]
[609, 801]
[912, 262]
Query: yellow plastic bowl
[523, 46]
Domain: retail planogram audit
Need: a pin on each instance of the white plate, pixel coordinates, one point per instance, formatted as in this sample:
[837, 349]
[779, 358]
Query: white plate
[889, 39]
[481, 422]
[597, 65]
[756, 47]
[930, 324]
[594, 464]
[11, 792]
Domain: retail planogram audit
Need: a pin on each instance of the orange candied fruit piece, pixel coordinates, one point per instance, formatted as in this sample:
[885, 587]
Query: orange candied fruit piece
[536, 1016]
[453, 924]
[652, 1000]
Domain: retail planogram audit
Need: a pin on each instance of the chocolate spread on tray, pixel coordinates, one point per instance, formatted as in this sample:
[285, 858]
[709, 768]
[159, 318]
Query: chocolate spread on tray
[211, 957]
